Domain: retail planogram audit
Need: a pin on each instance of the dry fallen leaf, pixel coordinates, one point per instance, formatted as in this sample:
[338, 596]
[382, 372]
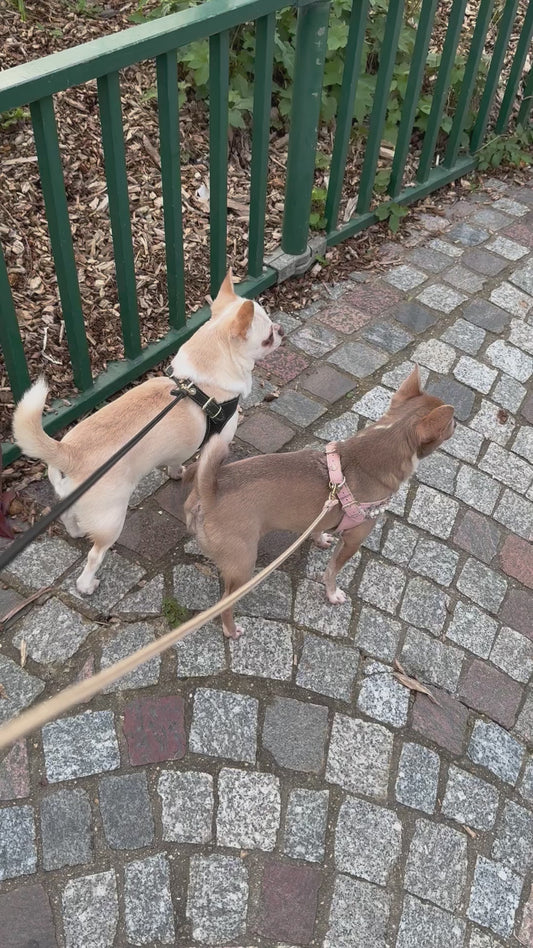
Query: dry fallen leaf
[502, 416]
[470, 832]
[23, 653]
[414, 685]
[3, 692]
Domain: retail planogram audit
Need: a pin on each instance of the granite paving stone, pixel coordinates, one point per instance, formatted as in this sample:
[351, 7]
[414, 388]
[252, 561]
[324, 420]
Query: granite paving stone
[146, 601]
[478, 535]
[154, 728]
[524, 725]
[52, 633]
[489, 218]
[377, 634]
[381, 696]
[425, 605]
[493, 748]
[358, 915]
[306, 823]
[520, 232]
[506, 467]
[359, 756]
[510, 207]
[512, 299]
[327, 668]
[525, 935]
[295, 733]
[476, 489]
[463, 279]
[433, 258]
[358, 359]
[490, 422]
[475, 374]
[18, 855]
[400, 543]
[66, 828]
[201, 653]
[339, 428]
[187, 804]
[494, 896]
[526, 783]
[249, 808]
[440, 297]
[470, 800]
[151, 533]
[509, 393]
[265, 432]
[196, 588]
[382, 585]
[418, 777]
[117, 576]
[213, 730]
[90, 910]
[271, 600]
[454, 393]
[14, 773]
[313, 610]
[147, 901]
[368, 840]
[517, 364]
[513, 841]
[442, 246]
[444, 723]
[434, 560]
[467, 235]
[126, 811]
[483, 261]
[387, 336]
[147, 486]
[264, 650]
[435, 355]
[26, 914]
[482, 584]
[317, 561]
[44, 561]
[284, 363]
[486, 315]
[217, 898]
[393, 378]
[472, 629]
[516, 513]
[327, 383]
[433, 511]
[465, 444]
[405, 277]
[129, 638]
[298, 408]
[374, 404]
[81, 745]
[488, 690]
[315, 339]
[288, 902]
[20, 688]
[523, 443]
[516, 559]
[437, 864]
[465, 336]
[438, 470]
[431, 660]
[509, 249]
[513, 653]
[423, 924]
[527, 407]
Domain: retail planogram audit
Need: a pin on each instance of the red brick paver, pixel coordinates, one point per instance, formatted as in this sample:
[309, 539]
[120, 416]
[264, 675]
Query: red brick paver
[517, 560]
[445, 722]
[490, 691]
[288, 902]
[155, 729]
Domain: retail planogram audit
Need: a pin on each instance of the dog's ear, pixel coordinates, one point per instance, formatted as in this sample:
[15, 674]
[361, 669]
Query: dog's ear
[410, 388]
[241, 323]
[434, 424]
[224, 297]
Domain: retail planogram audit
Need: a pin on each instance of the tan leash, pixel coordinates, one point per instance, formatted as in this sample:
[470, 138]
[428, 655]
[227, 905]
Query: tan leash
[50, 709]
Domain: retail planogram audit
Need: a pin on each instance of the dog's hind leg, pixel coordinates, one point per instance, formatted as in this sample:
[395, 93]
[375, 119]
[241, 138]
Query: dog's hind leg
[234, 577]
[102, 539]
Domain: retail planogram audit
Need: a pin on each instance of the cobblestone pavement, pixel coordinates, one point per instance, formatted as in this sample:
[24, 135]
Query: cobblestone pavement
[286, 789]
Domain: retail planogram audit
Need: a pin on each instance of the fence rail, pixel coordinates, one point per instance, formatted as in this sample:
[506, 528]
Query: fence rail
[36, 83]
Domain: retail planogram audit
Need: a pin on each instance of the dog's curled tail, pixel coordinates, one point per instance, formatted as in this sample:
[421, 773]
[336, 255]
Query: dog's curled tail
[28, 429]
[211, 458]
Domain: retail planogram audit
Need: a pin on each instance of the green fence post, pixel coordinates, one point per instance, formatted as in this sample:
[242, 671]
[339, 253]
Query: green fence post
[218, 155]
[264, 52]
[516, 70]
[500, 48]
[169, 149]
[311, 44]
[524, 111]
[10, 341]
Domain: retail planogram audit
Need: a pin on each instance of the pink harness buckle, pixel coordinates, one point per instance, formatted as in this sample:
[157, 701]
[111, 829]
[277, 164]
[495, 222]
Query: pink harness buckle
[353, 513]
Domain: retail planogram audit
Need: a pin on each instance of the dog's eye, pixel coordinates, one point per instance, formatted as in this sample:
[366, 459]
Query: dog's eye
[269, 341]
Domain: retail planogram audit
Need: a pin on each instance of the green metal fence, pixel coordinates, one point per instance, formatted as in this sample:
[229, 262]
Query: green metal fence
[37, 82]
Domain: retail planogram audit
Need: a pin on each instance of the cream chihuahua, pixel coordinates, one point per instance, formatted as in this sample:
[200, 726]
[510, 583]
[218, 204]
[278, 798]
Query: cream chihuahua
[219, 358]
[230, 507]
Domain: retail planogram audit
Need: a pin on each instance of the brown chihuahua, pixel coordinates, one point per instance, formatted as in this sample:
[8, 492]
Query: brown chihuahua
[230, 507]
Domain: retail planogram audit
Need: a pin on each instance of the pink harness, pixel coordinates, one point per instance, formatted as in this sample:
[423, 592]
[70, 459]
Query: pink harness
[354, 513]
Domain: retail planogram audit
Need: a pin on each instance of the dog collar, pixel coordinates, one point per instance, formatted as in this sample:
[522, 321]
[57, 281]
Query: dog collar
[353, 512]
[217, 414]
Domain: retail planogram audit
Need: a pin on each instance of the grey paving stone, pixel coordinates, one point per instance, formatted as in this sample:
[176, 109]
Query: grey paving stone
[196, 588]
[117, 576]
[513, 653]
[435, 355]
[438, 470]
[442, 246]
[261, 387]
[90, 910]
[517, 364]
[433, 511]
[271, 600]
[264, 650]
[128, 638]
[66, 828]
[431, 660]
[400, 543]
[494, 896]
[513, 842]
[470, 800]
[437, 864]
[18, 855]
[472, 629]
[476, 489]
[338, 429]
[524, 725]
[146, 601]
[516, 513]
[298, 408]
[405, 277]
[495, 749]
[486, 315]
[475, 374]
[312, 609]
[387, 336]
[359, 756]
[201, 653]
[126, 811]
[382, 585]
[491, 424]
[482, 584]
[418, 777]
[147, 486]
[317, 561]
[368, 840]
[20, 688]
[394, 377]
[43, 562]
[463, 279]
[213, 730]
[523, 443]
[358, 916]
[382, 697]
[187, 804]
[510, 207]
[289, 323]
[511, 299]
[315, 339]
[425, 605]
[217, 898]
[327, 668]
[489, 218]
[526, 783]
[455, 394]
[464, 336]
[521, 334]
[305, 824]
[295, 734]
[249, 808]
[467, 235]
[509, 249]
[80, 746]
[506, 467]
[377, 634]
[374, 404]
[148, 907]
[465, 444]
[482, 261]
[358, 359]
[431, 258]
[423, 924]
[434, 560]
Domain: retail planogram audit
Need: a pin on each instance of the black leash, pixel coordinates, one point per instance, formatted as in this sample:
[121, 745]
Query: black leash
[213, 410]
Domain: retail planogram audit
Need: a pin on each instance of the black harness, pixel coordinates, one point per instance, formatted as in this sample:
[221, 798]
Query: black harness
[217, 414]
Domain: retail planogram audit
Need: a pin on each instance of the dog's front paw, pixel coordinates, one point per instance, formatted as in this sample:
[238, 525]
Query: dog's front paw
[323, 541]
[86, 588]
[337, 596]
